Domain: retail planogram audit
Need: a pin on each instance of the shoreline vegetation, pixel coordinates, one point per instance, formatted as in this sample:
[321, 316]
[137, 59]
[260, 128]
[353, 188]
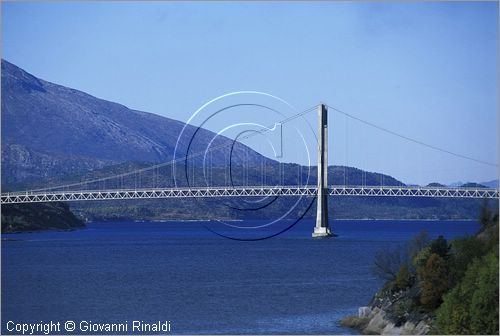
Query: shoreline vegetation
[436, 287]
[57, 216]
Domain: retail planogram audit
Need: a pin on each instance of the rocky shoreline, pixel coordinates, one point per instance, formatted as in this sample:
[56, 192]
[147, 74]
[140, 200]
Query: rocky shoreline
[373, 321]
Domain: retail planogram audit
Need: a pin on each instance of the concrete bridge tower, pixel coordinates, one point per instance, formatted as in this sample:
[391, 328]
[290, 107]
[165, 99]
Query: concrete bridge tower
[322, 229]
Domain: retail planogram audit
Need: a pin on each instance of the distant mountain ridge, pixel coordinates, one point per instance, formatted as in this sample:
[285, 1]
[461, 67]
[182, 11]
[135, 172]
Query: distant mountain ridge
[49, 129]
[490, 184]
[51, 133]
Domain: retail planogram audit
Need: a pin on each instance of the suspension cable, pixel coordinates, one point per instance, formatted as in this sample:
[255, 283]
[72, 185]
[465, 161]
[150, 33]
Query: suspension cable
[412, 139]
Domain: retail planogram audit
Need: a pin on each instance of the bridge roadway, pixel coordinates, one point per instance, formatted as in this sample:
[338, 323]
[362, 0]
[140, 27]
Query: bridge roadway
[244, 191]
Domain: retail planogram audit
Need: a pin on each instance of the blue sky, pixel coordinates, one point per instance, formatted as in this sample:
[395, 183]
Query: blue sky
[426, 70]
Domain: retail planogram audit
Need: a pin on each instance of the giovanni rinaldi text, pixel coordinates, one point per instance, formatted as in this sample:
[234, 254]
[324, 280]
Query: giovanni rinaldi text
[51, 327]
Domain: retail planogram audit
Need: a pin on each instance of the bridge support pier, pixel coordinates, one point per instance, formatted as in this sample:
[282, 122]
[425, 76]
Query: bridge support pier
[322, 229]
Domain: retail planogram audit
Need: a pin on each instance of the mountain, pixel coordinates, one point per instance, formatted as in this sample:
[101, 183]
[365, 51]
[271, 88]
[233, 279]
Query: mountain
[53, 134]
[435, 184]
[52, 130]
[472, 185]
[490, 184]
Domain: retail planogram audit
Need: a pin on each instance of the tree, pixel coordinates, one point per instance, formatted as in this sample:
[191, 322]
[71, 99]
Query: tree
[464, 250]
[484, 301]
[489, 225]
[421, 257]
[471, 307]
[486, 214]
[452, 317]
[440, 247]
[418, 243]
[403, 277]
[387, 262]
[434, 281]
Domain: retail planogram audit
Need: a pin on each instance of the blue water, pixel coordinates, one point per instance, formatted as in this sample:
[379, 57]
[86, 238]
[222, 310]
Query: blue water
[200, 282]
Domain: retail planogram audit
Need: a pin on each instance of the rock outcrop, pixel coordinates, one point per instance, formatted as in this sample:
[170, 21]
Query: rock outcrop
[373, 321]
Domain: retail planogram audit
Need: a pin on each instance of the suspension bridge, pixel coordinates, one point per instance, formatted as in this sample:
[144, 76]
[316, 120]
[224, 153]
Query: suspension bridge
[70, 193]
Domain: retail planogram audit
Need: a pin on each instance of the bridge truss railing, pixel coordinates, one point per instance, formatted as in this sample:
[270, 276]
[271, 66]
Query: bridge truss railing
[246, 191]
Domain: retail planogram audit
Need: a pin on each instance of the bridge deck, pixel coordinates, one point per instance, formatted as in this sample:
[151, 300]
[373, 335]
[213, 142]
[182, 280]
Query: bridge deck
[247, 191]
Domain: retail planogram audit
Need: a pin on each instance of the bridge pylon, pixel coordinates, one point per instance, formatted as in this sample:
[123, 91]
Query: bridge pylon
[322, 229]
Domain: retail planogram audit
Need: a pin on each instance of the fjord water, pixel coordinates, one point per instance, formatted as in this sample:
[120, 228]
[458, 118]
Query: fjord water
[200, 282]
